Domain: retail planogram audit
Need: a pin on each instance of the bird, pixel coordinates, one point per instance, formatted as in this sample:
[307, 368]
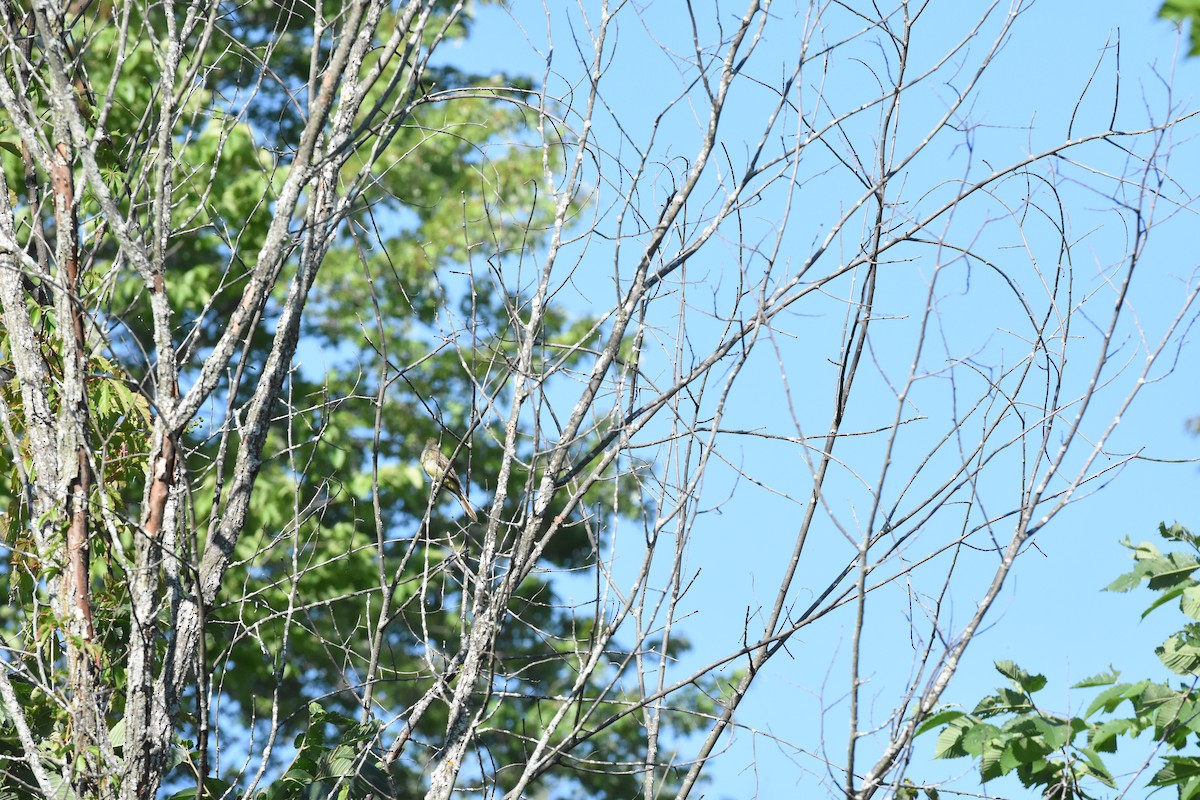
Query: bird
[438, 468]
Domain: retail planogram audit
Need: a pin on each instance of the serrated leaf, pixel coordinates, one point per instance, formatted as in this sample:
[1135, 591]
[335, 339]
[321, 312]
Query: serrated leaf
[361, 732]
[1189, 716]
[1109, 699]
[1022, 679]
[1010, 758]
[1099, 679]
[1177, 532]
[1168, 595]
[1028, 750]
[1096, 767]
[1103, 738]
[343, 762]
[1056, 733]
[1189, 603]
[1166, 714]
[1176, 571]
[1176, 770]
[1144, 554]
[976, 738]
[1179, 655]
[939, 719]
[950, 741]
[299, 775]
[1004, 701]
[990, 766]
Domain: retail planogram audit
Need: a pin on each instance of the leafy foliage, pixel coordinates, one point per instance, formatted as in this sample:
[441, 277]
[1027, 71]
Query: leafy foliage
[1061, 756]
[300, 625]
[1181, 11]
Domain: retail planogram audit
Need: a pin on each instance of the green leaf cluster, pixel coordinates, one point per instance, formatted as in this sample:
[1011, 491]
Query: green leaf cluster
[380, 373]
[1008, 732]
[334, 759]
[1181, 11]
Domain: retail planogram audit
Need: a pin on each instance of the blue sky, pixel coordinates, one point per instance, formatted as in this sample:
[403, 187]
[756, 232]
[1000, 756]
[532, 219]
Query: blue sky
[1056, 70]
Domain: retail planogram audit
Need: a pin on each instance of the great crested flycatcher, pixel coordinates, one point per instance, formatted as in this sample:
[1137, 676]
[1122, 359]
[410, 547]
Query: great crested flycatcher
[440, 470]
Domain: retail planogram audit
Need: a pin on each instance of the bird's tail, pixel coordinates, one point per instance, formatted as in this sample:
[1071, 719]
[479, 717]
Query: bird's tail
[466, 504]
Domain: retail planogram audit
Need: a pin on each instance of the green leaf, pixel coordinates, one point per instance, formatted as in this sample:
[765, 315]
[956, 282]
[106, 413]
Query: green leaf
[1178, 533]
[939, 719]
[1177, 770]
[1189, 716]
[1150, 704]
[1027, 749]
[975, 739]
[1103, 737]
[1004, 701]
[1020, 678]
[116, 734]
[1055, 732]
[1166, 714]
[950, 741]
[213, 787]
[1041, 773]
[343, 762]
[1143, 553]
[1011, 757]
[1099, 679]
[1109, 699]
[1189, 603]
[299, 775]
[1169, 595]
[1167, 572]
[1175, 570]
[995, 761]
[1180, 654]
[1096, 768]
